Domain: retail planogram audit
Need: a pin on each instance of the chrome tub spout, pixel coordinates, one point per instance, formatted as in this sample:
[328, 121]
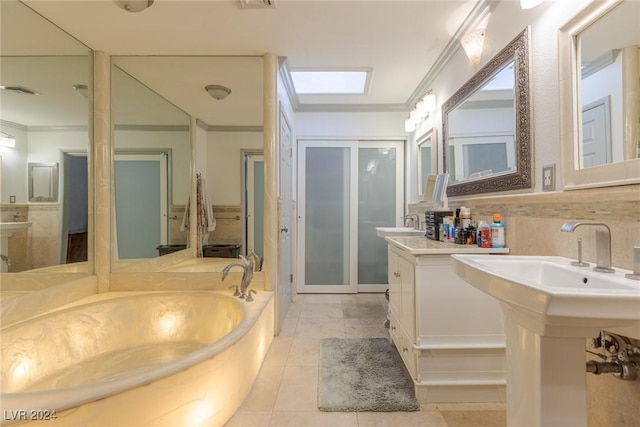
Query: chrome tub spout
[247, 274]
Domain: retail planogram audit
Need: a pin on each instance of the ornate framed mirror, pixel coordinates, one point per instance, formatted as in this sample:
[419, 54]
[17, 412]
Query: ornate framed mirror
[486, 129]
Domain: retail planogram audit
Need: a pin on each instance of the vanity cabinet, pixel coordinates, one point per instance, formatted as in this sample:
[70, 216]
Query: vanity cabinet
[450, 335]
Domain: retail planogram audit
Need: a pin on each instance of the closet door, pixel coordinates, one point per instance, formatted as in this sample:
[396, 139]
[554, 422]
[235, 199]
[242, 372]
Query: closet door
[345, 190]
[327, 217]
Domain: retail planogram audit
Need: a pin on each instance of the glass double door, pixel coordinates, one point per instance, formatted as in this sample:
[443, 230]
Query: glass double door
[345, 190]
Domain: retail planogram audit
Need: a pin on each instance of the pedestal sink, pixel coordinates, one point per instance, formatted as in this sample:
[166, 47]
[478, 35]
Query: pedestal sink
[7, 229]
[550, 308]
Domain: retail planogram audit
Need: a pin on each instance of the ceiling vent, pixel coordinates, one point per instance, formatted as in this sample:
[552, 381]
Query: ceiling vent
[257, 4]
[19, 90]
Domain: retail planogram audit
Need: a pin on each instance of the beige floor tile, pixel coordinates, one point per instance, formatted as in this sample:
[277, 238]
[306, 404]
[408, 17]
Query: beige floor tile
[320, 328]
[264, 392]
[298, 389]
[366, 328]
[360, 298]
[475, 418]
[363, 311]
[321, 311]
[304, 352]
[249, 419]
[289, 327]
[279, 351]
[322, 298]
[295, 308]
[497, 406]
[314, 419]
[401, 419]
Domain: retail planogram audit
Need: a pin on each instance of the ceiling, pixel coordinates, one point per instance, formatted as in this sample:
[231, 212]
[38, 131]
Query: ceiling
[400, 40]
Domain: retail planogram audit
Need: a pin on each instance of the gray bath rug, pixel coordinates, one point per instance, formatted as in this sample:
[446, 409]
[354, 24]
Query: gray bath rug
[363, 374]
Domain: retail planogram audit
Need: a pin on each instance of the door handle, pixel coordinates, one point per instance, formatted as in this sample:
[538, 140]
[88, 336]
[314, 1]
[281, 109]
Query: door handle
[284, 230]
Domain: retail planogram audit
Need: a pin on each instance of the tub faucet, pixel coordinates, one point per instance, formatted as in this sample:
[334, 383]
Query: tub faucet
[247, 275]
[5, 259]
[603, 243]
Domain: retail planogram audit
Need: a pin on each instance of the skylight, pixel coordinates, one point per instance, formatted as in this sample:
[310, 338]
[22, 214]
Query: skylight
[330, 82]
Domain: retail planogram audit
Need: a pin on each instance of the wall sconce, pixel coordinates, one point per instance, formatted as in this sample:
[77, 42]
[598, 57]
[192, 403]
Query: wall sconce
[7, 140]
[133, 5]
[218, 92]
[472, 43]
[529, 4]
[423, 110]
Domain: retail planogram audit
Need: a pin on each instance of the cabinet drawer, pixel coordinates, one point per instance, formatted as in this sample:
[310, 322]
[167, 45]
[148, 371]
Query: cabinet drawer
[403, 345]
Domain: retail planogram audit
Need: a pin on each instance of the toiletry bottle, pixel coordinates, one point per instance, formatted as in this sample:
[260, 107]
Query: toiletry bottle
[485, 235]
[497, 232]
[465, 213]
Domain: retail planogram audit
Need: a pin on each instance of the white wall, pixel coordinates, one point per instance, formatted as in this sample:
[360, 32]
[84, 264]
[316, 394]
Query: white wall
[224, 163]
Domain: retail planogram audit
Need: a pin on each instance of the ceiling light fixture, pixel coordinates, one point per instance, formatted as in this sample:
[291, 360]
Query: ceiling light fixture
[133, 5]
[218, 92]
[82, 90]
[19, 90]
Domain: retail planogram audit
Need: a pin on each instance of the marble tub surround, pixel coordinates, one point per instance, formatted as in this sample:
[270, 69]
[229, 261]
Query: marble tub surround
[212, 347]
[47, 292]
[154, 264]
[180, 281]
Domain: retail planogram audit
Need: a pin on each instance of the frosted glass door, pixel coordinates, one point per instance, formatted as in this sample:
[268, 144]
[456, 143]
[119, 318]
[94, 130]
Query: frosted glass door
[326, 215]
[378, 199]
[346, 190]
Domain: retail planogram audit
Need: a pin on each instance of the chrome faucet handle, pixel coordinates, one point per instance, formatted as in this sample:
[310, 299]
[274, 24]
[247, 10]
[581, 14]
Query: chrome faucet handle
[579, 262]
[636, 265]
[249, 297]
[237, 292]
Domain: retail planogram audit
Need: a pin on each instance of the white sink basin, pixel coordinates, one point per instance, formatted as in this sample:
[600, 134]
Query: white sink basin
[398, 231]
[552, 291]
[8, 228]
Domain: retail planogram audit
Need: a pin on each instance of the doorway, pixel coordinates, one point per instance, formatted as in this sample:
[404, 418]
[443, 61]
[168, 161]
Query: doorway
[75, 211]
[253, 202]
[141, 197]
[346, 188]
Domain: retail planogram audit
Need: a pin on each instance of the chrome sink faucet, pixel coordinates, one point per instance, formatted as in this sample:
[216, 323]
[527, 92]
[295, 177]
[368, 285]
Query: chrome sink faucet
[247, 275]
[412, 220]
[603, 243]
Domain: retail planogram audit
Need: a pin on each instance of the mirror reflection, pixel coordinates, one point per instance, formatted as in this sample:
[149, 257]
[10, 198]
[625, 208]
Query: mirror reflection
[487, 126]
[151, 170]
[427, 158]
[481, 130]
[44, 75]
[610, 87]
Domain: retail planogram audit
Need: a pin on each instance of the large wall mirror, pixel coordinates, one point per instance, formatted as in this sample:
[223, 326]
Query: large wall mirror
[427, 158]
[600, 66]
[486, 134]
[45, 78]
[154, 99]
[152, 169]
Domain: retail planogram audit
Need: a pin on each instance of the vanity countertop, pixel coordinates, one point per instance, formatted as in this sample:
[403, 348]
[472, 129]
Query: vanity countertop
[418, 245]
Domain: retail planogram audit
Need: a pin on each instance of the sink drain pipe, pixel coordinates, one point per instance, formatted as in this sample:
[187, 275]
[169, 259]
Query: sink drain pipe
[620, 357]
[627, 371]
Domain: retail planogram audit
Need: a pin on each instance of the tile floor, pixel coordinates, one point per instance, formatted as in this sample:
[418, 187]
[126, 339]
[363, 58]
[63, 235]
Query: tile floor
[285, 392]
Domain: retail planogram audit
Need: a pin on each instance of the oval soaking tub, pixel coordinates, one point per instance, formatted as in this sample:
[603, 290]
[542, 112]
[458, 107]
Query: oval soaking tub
[147, 359]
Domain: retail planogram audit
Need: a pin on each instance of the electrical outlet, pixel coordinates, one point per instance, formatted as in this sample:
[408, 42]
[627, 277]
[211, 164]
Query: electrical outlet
[12, 199]
[549, 177]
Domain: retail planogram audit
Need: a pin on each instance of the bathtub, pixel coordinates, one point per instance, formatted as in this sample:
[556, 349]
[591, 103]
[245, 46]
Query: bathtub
[136, 359]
